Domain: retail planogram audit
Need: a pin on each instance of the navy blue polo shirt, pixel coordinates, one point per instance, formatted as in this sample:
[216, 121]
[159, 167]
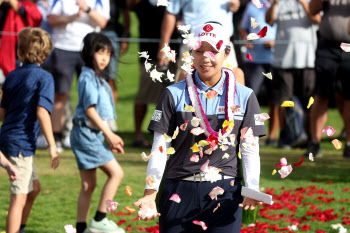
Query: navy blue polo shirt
[170, 113]
[24, 89]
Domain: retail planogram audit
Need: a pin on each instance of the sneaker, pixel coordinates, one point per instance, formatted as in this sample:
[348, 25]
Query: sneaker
[103, 226]
[41, 142]
[66, 142]
[346, 153]
[270, 142]
[314, 148]
[59, 146]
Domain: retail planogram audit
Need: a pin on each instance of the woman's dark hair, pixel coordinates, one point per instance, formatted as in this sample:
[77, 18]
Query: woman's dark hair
[92, 43]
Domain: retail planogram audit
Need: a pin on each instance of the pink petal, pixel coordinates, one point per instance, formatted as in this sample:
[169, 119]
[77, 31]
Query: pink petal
[210, 55]
[197, 131]
[216, 207]
[215, 192]
[194, 158]
[329, 130]
[285, 171]
[200, 223]
[176, 198]
[263, 117]
[201, 152]
[208, 151]
[205, 167]
[283, 161]
[194, 43]
[110, 205]
[184, 125]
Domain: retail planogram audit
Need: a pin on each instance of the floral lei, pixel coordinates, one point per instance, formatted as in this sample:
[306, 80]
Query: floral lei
[229, 101]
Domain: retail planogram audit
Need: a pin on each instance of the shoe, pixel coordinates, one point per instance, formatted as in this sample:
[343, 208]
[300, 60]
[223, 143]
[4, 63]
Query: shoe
[141, 143]
[59, 146]
[346, 153]
[41, 142]
[314, 148]
[270, 142]
[301, 141]
[103, 226]
[343, 134]
[66, 142]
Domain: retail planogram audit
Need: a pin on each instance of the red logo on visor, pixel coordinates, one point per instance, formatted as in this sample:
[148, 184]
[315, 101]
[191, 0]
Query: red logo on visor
[208, 28]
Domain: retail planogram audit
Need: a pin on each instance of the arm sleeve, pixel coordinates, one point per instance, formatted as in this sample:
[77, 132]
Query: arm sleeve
[55, 7]
[251, 165]
[174, 7]
[251, 116]
[164, 116]
[103, 8]
[87, 90]
[157, 162]
[46, 93]
[245, 24]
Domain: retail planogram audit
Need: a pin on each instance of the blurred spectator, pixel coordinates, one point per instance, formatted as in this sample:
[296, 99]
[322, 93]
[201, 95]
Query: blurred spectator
[261, 52]
[14, 16]
[332, 66]
[115, 30]
[196, 12]
[71, 21]
[294, 57]
[150, 18]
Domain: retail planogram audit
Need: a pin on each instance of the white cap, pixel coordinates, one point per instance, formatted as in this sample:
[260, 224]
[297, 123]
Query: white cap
[214, 34]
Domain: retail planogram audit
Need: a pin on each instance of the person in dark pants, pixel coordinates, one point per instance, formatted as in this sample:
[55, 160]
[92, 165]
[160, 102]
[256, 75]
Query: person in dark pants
[332, 64]
[202, 186]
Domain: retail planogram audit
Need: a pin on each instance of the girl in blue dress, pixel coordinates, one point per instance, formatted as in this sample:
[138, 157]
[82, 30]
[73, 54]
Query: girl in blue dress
[90, 129]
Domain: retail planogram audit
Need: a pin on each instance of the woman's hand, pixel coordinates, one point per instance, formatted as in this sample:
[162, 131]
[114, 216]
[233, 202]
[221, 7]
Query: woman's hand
[148, 204]
[249, 203]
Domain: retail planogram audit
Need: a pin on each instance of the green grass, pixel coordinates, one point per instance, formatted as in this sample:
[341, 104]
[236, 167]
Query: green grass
[56, 205]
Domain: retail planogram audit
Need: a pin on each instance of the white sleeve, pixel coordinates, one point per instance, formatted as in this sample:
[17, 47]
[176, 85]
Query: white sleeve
[55, 7]
[103, 8]
[251, 164]
[157, 162]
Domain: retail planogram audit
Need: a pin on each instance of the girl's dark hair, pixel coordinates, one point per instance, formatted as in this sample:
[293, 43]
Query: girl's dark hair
[92, 43]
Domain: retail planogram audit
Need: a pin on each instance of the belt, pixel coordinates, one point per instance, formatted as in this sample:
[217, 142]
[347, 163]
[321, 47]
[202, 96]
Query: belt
[202, 178]
[81, 122]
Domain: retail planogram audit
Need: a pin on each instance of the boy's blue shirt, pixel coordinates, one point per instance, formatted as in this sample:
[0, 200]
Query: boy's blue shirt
[24, 89]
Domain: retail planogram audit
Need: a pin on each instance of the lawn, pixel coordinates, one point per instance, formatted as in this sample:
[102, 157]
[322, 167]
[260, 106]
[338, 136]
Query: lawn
[315, 195]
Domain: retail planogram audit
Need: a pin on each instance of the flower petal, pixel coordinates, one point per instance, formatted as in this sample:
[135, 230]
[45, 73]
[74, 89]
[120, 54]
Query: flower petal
[128, 190]
[337, 144]
[111, 205]
[195, 148]
[176, 198]
[253, 23]
[311, 157]
[70, 229]
[287, 104]
[311, 101]
[329, 130]
[197, 131]
[215, 192]
[285, 171]
[249, 57]
[253, 36]
[225, 156]
[210, 55]
[129, 209]
[257, 3]
[189, 108]
[267, 75]
[216, 207]
[170, 151]
[262, 32]
[300, 163]
[345, 47]
[274, 172]
[200, 223]
[176, 132]
[194, 158]
[184, 125]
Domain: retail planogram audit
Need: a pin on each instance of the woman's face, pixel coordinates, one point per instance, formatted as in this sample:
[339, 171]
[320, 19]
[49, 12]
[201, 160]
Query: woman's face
[102, 58]
[208, 70]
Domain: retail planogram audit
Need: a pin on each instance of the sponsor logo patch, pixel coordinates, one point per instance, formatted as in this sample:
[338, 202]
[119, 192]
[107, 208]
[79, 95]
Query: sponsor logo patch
[157, 115]
[221, 110]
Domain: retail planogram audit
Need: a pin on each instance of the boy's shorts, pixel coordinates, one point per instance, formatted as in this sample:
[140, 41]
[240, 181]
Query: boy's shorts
[26, 174]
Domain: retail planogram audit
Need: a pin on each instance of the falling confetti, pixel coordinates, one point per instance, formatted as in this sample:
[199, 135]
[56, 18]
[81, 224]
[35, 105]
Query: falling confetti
[287, 104]
[311, 101]
[337, 144]
[175, 198]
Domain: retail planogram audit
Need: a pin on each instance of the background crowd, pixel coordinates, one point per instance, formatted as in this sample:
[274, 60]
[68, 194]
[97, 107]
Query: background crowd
[301, 50]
